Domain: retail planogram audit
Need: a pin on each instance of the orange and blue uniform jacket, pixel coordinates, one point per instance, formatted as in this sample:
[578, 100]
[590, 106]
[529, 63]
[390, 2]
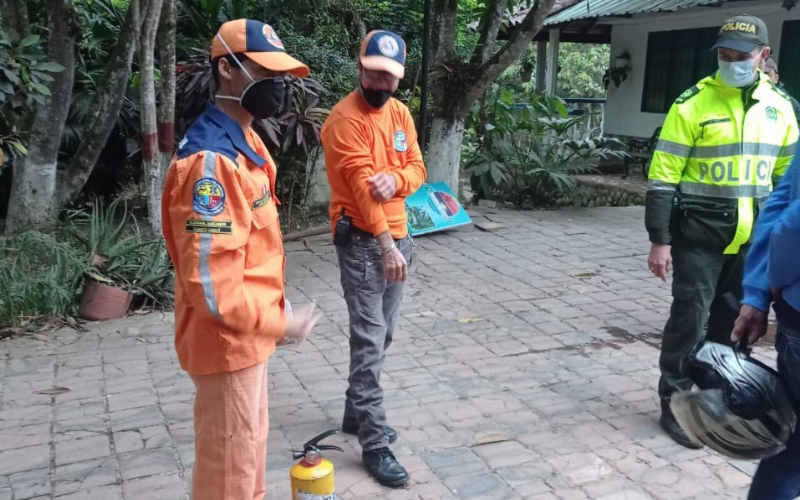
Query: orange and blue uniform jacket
[220, 223]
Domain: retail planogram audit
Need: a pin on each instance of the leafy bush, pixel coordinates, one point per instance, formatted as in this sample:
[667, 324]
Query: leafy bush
[328, 64]
[40, 275]
[528, 155]
[24, 76]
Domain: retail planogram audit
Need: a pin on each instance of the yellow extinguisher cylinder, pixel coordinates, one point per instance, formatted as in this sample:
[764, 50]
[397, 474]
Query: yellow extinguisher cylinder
[313, 481]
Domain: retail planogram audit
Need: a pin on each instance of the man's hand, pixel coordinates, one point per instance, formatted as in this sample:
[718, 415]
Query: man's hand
[382, 187]
[300, 323]
[395, 267]
[660, 260]
[751, 325]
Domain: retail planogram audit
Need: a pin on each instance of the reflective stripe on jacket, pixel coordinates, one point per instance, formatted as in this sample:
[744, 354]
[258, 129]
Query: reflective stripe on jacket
[220, 223]
[719, 150]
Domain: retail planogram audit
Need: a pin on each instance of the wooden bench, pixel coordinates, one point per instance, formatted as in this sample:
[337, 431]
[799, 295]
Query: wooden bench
[641, 152]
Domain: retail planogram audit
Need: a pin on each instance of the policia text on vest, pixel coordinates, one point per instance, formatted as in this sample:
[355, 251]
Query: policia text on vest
[719, 152]
[719, 171]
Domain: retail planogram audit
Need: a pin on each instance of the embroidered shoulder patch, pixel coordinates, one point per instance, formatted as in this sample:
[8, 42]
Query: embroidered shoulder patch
[209, 226]
[400, 143]
[209, 197]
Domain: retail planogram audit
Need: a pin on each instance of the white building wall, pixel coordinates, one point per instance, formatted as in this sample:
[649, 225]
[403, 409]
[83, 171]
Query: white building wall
[623, 115]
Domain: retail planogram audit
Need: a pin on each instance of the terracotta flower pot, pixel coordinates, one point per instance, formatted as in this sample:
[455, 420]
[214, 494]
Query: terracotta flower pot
[102, 302]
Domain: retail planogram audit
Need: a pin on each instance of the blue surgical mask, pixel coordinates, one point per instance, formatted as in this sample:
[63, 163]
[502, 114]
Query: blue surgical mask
[737, 74]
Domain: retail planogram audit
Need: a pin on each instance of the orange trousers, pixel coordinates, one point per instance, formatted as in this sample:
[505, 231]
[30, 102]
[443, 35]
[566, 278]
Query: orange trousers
[231, 424]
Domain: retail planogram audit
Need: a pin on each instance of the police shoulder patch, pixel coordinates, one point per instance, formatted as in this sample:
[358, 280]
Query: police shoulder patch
[688, 94]
[772, 114]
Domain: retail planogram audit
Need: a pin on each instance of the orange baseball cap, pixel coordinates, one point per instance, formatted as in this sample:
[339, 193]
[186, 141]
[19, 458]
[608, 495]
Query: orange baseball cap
[257, 41]
[384, 51]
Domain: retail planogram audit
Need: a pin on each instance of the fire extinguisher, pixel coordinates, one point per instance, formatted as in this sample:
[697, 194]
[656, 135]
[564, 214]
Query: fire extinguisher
[312, 476]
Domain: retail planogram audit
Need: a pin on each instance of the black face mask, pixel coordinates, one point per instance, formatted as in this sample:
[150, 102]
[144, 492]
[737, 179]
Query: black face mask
[376, 98]
[262, 98]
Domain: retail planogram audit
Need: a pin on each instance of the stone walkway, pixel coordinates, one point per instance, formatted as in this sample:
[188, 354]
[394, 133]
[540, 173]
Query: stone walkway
[524, 367]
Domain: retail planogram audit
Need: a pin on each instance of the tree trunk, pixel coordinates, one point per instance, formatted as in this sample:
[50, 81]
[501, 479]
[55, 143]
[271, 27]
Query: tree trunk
[166, 115]
[15, 19]
[32, 204]
[107, 103]
[489, 28]
[444, 151]
[360, 27]
[444, 30]
[460, 84]
[150, 12]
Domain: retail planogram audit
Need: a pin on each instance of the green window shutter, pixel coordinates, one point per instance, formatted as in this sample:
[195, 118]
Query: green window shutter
[788, 69]
[657, 71]
[676, 60]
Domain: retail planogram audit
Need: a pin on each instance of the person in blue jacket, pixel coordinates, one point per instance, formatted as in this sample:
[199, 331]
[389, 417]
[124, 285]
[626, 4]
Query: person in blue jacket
[772, 275]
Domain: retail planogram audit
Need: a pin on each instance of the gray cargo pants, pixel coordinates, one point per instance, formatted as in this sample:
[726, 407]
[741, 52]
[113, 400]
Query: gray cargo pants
[374, 306]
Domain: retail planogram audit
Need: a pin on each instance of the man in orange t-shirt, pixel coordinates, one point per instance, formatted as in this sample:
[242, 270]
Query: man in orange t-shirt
[221, 228]
[373, 163]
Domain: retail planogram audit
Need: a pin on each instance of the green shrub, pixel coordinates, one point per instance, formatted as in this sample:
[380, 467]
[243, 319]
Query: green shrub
[42, 275]
[39, 276]
[528, 155]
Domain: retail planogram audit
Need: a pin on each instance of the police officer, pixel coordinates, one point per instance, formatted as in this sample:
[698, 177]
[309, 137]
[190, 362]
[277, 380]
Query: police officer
[221, 227]
[722, 144]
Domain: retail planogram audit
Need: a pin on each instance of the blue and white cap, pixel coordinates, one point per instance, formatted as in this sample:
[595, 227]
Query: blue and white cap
[384, 51]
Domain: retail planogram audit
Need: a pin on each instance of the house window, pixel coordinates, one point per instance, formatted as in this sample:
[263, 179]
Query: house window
[676, 60]
[788, 68]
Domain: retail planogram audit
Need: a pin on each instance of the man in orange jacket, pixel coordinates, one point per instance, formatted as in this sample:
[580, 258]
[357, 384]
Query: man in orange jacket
[373, 163]
[220, 223]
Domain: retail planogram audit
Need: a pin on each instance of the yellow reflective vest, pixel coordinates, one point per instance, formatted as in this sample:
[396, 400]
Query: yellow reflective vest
[719, 153]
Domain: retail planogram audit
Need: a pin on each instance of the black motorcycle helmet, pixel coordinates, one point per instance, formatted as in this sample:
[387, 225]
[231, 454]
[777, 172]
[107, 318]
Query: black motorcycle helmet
[739, 406]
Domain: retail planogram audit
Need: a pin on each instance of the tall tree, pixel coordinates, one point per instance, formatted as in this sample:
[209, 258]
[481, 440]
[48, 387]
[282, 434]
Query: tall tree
[39, 189]
[15, 19]
[157, 114]
[458, 84]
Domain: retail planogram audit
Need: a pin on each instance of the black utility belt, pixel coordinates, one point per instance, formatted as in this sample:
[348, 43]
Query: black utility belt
[345, 230]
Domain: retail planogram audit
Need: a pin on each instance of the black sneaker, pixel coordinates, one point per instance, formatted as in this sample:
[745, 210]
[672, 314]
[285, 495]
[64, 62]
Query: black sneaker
[674, 431]
[384, 467]
[351, 427]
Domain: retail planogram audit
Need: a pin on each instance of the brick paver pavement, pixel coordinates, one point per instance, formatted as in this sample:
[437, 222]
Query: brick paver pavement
[524, 367]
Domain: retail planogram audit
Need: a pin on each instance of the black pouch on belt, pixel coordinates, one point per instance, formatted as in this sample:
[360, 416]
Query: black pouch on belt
[342, 233]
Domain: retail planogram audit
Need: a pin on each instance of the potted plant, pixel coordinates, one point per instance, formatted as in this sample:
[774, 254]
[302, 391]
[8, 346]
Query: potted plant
[619, 72]
[121, 263]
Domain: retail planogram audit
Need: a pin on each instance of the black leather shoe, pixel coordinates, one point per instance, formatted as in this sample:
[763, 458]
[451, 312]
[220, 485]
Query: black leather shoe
[384, 467]
[674, 431]
[351, 427]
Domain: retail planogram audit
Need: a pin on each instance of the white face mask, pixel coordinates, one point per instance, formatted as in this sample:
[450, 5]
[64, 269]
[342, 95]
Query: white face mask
[737, 74]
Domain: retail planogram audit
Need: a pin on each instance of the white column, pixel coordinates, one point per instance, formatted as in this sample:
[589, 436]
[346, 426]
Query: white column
[541, 65]
[552, 61]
